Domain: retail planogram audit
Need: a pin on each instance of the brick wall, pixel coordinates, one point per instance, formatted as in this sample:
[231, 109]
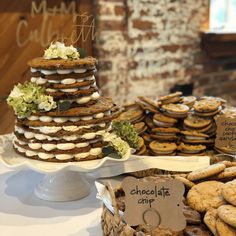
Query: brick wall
[144, 47]
[218, 78]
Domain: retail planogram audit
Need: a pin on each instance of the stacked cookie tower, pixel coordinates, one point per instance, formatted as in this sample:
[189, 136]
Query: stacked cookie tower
[167, 123]
[176, 124]
[74, 130]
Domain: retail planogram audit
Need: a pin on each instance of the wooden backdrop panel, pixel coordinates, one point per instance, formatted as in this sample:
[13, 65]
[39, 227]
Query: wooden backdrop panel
[36, 29]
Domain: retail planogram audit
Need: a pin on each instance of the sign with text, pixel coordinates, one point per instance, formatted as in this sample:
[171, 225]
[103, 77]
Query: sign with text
[47, 23]
[226, 132]
[154, 203]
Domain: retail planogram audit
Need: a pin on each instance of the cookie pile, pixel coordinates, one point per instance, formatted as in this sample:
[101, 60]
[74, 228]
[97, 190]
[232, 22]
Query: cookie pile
[175, 124]
[213, 194]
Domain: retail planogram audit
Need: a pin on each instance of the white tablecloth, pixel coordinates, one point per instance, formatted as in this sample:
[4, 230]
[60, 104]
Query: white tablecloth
[23, 214]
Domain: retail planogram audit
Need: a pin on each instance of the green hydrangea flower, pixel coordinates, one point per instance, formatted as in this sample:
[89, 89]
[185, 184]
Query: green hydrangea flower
[28, 98]
[127, 132]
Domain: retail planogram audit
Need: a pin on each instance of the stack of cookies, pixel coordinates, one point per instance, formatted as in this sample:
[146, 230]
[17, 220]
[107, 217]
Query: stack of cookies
[168, 122]
[73, 130]
[176, 121]
[199, 127]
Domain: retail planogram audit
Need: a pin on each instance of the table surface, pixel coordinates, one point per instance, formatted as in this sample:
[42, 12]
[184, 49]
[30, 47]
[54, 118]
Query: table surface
[23, 214]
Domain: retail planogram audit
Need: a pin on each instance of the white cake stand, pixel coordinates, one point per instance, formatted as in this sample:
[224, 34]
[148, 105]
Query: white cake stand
[68, 181]
[62, 181]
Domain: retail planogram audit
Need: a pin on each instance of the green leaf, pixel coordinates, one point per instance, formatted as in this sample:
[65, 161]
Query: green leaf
[82, 52]
[111, 152]
[63, 105]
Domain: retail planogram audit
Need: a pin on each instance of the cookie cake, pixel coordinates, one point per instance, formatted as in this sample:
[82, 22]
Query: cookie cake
[60, 115]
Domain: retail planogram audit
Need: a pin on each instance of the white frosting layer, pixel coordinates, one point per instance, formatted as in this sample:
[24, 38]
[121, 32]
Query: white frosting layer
[33, 118]
[54, 81]
[194, 137]
[86, 118]
[64, 71]
[60, 119]
[47, 129]
[49, 146]
[71, 128]
[50, 90]
[70, 90]
[35, 145]
[68, 81]
[72, 80]
[65, 119]
[65, 146]
[79, 70]
[48, 72]
[45, 118]
[45, 156]
[162, 124]
[33, 69]
[30, 135]
[81, 145]
[38, 80]
[98, 115]
[59, 71]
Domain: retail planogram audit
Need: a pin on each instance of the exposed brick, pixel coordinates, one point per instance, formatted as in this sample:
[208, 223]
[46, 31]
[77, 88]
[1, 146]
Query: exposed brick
[119, 10]
[111, 25]
[142, 25]
[146, 48]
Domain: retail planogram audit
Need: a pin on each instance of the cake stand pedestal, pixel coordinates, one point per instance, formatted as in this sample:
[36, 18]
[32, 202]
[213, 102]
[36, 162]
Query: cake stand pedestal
[63, 186]
[61, 181]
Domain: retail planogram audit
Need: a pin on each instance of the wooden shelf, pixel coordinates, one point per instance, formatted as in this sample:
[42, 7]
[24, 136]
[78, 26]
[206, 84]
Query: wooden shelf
[219, 45]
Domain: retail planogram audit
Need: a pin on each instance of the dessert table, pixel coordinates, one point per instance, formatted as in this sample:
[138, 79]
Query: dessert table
[23, 214]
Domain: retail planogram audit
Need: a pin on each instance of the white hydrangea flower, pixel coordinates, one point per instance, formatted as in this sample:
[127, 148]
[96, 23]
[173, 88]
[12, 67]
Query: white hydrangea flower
[16, 92]
[119, 144]
[27, 98]
[59, 50]
[46, 103]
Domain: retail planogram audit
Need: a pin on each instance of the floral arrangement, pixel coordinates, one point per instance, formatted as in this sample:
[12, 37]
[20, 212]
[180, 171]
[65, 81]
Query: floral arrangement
[58, 50]
[121, 139]
[127, 132]
[28, 98]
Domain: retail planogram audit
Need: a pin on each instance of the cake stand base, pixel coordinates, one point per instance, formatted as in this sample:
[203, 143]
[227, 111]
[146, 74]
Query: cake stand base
[63, 186]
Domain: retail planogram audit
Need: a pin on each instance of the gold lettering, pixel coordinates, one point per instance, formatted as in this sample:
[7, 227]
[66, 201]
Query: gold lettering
[41, 9]
[83, 25]
[71, 9]
[21, 24]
